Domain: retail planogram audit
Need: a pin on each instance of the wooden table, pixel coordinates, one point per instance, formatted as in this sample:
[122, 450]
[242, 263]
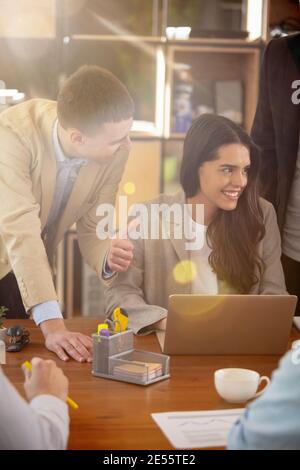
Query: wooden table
[116, 415]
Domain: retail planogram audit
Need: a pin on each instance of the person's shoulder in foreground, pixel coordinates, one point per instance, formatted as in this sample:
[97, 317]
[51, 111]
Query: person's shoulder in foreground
[273, 420]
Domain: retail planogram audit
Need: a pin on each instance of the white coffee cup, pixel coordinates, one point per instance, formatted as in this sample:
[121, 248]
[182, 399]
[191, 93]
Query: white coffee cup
[239, 385]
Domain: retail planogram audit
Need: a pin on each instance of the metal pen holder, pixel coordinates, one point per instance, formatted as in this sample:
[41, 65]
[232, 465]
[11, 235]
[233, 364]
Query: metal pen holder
[112, 353]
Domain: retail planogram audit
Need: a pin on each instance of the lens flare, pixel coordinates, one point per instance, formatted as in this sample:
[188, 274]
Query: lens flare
[129, 188]
[185, 272]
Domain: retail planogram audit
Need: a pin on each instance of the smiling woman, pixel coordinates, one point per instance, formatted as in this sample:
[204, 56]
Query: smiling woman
[220, 170]
[223, 181]
[240, 253]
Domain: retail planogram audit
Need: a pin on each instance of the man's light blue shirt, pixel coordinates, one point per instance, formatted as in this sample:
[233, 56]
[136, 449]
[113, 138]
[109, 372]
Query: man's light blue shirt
[273, 420]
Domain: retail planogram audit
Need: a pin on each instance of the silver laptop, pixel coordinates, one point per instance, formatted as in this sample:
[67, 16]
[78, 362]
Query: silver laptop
[228, 324]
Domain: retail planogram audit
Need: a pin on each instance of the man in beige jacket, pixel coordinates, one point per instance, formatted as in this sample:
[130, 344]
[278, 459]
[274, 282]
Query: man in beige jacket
[58, 163]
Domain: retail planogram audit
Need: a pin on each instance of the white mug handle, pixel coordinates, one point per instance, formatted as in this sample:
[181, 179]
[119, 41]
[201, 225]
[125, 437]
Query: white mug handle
[266, 386]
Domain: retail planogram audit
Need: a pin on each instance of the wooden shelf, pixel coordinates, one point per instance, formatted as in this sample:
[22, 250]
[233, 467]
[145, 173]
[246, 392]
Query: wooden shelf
[217, 63]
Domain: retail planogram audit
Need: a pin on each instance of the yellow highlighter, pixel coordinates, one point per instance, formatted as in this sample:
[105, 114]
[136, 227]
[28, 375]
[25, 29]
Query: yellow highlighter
[121, 319]
[70, 402]
[102, 326]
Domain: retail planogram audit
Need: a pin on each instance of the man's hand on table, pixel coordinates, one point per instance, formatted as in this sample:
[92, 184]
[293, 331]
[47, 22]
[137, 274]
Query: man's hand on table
[66, 343]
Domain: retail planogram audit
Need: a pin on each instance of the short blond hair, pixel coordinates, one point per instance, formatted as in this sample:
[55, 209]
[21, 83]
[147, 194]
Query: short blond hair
[91, 97]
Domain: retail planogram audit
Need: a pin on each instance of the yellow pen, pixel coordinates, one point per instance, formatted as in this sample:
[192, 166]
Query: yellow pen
[70, 402]
[121, 319]
[102, 326]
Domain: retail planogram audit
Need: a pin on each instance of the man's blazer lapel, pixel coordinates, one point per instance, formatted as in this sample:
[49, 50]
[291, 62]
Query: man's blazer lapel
[48, 171]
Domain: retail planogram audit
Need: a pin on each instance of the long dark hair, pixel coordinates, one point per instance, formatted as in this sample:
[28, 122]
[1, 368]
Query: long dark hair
[232, 235]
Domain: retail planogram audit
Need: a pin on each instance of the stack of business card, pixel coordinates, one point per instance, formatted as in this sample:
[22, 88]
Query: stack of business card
[141, 371]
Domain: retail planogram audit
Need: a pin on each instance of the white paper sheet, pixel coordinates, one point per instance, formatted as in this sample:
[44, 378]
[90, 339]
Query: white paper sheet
[197, 429]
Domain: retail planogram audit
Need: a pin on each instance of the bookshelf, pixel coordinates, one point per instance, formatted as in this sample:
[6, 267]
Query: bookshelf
[146, 59]
[143, 42]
